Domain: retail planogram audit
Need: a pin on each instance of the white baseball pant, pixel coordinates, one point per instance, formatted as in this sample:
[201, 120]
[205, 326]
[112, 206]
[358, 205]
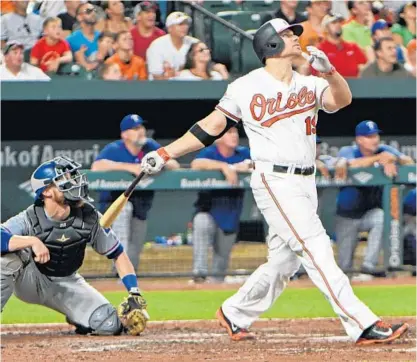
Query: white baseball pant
[296, 236]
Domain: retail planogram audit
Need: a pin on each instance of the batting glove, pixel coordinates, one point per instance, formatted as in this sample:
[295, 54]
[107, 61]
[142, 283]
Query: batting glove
[154, 161]
[318, 60]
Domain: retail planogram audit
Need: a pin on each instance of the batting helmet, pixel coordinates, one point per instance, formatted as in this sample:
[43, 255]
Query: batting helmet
[65, 175]
[267, 41]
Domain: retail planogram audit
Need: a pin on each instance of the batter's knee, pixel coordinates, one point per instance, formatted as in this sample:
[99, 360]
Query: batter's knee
[105, 322]
[10, 264]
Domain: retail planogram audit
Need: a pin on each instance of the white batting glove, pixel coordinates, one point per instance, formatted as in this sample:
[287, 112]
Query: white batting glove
[318, 60]
[154, 161]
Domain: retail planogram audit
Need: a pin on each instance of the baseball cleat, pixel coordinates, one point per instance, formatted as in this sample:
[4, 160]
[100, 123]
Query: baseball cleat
[381, 332]
[236, 333]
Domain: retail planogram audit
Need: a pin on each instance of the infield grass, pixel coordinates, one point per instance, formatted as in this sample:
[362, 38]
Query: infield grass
[202, 304]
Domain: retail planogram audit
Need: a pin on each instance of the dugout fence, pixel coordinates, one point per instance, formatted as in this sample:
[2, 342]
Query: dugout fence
[172, 211]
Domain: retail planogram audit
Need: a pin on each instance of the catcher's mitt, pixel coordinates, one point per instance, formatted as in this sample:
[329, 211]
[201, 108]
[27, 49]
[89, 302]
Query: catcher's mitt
[133, 315]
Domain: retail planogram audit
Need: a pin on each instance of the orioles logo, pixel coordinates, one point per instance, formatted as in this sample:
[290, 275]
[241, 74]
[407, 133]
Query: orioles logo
[259, 106]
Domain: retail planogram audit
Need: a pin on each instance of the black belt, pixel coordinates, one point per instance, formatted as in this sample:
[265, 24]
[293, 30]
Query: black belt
[306, 171]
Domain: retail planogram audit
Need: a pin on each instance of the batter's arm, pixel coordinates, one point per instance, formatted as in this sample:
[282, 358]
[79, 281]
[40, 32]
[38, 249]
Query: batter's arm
[213, 124]
[338, 94]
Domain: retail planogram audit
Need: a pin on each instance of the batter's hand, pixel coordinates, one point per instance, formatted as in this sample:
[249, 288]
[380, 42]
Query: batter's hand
[40, 250]
[154, 161]
[318, 60]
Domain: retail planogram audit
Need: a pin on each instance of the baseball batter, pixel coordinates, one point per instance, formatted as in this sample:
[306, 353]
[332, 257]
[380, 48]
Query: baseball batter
[44, 246]
[279, 109]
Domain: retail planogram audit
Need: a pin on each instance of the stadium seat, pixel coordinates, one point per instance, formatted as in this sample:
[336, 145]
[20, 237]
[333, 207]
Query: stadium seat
[225, 5]
[224, 38]
[259, 5]
[244, 58]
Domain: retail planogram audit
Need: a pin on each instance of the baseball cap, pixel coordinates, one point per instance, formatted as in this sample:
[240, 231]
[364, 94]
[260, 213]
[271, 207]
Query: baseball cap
[380, 24]
[12, 44]
[281, 25]
[144, 6]
[330, 18]
[366, 128]
[130, 121]
[177, 17]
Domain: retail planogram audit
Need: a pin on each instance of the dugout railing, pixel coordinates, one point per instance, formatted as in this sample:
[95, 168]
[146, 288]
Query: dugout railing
[176, 191]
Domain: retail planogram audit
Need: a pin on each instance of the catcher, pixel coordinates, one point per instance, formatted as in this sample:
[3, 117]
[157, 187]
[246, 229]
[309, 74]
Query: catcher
[44, 246]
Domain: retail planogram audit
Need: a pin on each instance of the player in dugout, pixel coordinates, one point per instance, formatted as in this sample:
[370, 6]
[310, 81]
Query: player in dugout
[125, 155]
[218, 211]
[360, 208]
[44, 246]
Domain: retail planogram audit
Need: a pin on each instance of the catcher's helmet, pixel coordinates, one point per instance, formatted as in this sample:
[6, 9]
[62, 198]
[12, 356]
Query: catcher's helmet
[267, 41]
[64, 173]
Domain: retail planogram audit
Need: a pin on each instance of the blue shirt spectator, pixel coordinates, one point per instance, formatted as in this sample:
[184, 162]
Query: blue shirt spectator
[77, 40]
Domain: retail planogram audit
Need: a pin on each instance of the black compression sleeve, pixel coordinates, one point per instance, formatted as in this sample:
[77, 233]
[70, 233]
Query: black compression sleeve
[207, 139]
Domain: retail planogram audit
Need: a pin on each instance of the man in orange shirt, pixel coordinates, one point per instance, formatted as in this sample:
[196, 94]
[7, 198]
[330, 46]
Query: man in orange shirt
[131, 66]
[313, 32]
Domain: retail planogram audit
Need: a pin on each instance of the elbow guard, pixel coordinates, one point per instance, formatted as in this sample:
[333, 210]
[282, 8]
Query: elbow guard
[207, 139]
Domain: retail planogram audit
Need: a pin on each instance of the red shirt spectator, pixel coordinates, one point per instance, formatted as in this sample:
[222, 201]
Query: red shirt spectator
[145, 31]
[51, 51]
[346, 57]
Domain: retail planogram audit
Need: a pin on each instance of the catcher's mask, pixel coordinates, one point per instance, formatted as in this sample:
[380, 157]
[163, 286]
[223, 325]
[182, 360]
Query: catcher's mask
[64, 173]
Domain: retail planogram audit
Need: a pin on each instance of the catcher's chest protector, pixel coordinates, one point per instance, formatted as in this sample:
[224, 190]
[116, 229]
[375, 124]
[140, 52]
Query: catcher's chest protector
[65, 240]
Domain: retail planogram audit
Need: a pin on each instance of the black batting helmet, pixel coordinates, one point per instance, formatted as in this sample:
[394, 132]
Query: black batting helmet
[267, 41]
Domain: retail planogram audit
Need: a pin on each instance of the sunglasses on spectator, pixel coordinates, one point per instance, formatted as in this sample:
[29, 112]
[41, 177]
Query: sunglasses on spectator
[202, 50]
[88, 11]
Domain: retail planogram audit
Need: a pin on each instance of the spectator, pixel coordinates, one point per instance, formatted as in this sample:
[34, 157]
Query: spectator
[115, 20]
[288, 11]
[410, 66]
[6, 6]
[198, 65]
[84, 42]
[346, 57]
[126, 155]
[51, 8]
[109, 72]
[360, 208]
[51, 51]
[386, 64]
[166, 55]
[131, 66]
[409, 214]
[145, 31]
[358, 29]
[20, 26]
[69, 17]
[340, 7]
[313, 31]
[216, 220]
[405, 30]
[13, 67]
[382, 29]
[105, 46]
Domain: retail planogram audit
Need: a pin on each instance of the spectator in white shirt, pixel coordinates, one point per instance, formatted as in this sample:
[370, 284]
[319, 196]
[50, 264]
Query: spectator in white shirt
[13, 67]
[20, 26]
[166, 55]
[198, 65]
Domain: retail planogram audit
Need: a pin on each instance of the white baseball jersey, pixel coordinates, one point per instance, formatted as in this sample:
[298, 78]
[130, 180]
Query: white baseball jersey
[280, 120]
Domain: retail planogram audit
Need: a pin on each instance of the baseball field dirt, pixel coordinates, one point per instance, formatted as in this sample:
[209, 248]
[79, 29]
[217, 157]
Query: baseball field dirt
[321, 339]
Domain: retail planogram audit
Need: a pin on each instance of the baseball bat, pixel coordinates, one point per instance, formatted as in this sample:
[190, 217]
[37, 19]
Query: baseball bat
[117, 206]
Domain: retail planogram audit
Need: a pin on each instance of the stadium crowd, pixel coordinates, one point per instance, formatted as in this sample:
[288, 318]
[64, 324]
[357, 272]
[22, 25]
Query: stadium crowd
[132, 40]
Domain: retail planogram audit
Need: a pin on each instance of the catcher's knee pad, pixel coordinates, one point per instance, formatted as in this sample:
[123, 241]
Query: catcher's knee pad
[105, 322]
[11, 263]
